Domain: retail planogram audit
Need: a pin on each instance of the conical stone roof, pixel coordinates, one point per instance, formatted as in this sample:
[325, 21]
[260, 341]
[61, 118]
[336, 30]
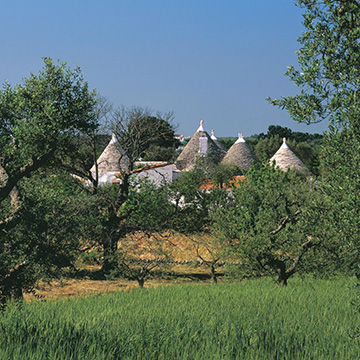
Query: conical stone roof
[192, 151]
[108, 161]
[286, 159]
[240, 154]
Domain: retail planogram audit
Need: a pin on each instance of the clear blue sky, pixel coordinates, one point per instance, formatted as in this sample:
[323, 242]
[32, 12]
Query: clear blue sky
[215, 60]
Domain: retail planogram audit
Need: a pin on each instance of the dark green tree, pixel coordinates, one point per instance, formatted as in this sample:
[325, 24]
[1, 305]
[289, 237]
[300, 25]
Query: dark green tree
[143, 135]
[51, 227]
[135, 130]
[89, 145]
[280, 131]
[222, 175]
[39, 120]
[270, 224]
[227, 142]
[329, 63]
[267, 147]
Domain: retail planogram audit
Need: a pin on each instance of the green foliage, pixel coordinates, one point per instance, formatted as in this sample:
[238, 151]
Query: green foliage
[148, 207]
[329, 64]
[40, 217]
[147, 245]
[227, 141]
[47, 235]
[194, 205]
[341, 177]
[91, 257]
[277, 130]
[329, 89]
[267, 147]
[163, 143]
[88, 149]
[328, 78]
[141, 135]
[40, 116]
[136, 229]
[191, 202]
[271, 223]
[138, 133]
[247, 320]
[222, 174]
[161, 152]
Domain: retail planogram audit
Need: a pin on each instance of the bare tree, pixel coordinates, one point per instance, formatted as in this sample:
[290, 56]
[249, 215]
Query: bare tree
[135, 129]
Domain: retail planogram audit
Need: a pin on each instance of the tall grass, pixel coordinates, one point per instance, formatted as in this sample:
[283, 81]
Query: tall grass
[309, 319]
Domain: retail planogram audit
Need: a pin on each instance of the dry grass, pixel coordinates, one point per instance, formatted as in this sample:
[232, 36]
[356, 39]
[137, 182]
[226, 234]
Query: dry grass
[180, 248]
[76, 287]
[179, 274]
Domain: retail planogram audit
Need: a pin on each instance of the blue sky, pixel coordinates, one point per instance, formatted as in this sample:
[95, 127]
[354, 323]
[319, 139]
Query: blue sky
[215, 60]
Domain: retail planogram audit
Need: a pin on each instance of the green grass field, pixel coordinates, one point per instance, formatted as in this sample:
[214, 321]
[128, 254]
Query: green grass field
[310, 319]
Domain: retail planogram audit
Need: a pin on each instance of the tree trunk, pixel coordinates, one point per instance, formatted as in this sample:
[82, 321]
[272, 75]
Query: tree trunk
[112, 226]
[282, 275]
[213, 274]
[141, 282]
[11, 288]
[110, 263]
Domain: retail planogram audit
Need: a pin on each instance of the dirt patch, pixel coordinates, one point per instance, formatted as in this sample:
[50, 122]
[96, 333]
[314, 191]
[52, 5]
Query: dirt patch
[84, 286]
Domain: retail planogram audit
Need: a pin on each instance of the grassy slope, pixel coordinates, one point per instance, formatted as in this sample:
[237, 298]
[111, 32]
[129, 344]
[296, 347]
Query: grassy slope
[249, 320]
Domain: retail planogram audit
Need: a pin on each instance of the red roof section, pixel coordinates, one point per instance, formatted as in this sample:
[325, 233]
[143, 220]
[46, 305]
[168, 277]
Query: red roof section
[234, 181]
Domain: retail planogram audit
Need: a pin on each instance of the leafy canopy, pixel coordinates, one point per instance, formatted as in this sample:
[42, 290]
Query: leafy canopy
[39, 117]
[329, 82]
[269, 223]
[329, 61]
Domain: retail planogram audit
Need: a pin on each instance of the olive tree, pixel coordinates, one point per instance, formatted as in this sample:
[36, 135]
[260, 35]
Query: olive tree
[136, 130]
[329, 83]
[146, 244]
[195, 196]
[38, 120]
[269, 225]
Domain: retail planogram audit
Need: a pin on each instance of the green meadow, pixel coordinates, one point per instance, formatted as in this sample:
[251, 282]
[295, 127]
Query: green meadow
[309, 319]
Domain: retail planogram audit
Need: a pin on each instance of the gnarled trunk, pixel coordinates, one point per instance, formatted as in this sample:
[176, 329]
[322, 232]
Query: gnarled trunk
[11, 286]
[110, 261]
[213, 274]
[282, 274]
[141, 282]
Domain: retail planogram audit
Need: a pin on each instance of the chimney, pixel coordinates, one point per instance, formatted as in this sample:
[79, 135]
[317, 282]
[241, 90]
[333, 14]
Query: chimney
[203, 140]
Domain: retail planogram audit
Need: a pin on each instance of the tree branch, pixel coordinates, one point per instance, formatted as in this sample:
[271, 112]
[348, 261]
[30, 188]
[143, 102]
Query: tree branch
[283, 223]
[24, 171]
[11, 271]
[301, 251]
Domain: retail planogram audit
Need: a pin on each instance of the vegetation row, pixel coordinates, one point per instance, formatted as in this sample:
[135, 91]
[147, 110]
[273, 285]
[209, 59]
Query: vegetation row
[247, 320]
